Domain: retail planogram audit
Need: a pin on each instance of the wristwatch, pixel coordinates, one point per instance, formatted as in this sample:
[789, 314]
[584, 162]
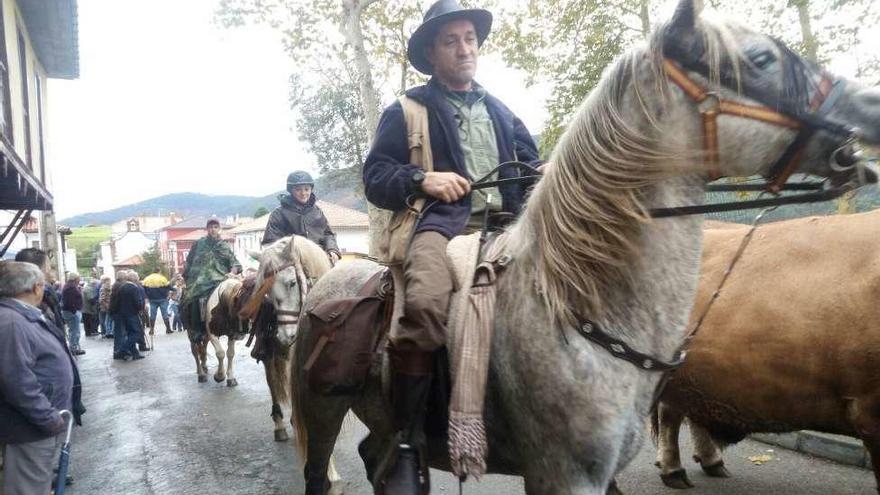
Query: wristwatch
[417, 178]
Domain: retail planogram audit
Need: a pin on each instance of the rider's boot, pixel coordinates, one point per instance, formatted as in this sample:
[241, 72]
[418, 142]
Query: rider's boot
[167, 323]
[410, 384]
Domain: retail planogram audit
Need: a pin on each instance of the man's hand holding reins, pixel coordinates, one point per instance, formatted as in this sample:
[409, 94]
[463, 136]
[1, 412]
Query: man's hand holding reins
[445, 186]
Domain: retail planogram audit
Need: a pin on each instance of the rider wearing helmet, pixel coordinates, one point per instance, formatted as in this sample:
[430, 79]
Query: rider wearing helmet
[299, 215]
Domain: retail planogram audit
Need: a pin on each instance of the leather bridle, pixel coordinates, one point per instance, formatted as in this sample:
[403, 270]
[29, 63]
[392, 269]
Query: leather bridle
[287, 317]
[711, 106]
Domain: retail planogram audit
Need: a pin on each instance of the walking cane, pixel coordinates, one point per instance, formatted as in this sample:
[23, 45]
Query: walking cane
[64, 460]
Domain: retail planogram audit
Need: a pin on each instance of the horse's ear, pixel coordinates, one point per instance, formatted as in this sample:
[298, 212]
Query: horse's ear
[681, 40]
[685, 17]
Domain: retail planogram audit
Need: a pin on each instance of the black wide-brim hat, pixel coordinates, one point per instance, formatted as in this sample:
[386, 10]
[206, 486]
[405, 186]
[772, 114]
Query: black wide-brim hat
[443, 12]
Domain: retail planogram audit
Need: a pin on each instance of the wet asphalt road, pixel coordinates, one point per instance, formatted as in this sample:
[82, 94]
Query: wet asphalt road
[152, 429]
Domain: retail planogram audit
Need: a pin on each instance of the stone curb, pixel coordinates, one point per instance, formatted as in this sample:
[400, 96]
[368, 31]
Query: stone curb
[837, 448]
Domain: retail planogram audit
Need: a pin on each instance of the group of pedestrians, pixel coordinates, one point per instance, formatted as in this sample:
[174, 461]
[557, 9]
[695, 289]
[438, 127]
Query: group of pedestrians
[129, 315]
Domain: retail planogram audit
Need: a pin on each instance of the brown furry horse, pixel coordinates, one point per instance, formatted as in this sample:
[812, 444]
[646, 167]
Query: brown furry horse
[792, 342]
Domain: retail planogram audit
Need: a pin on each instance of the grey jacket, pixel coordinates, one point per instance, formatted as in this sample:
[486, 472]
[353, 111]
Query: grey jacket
[306, 220]
[38, 375]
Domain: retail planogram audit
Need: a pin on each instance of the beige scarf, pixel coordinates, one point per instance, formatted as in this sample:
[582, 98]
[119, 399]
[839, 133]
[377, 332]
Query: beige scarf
[471, 321]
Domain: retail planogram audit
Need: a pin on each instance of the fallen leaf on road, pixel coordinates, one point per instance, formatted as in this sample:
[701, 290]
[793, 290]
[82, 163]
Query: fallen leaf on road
[760, 459]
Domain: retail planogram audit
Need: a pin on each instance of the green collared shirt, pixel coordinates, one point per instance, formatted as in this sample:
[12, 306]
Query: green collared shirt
[479, 145]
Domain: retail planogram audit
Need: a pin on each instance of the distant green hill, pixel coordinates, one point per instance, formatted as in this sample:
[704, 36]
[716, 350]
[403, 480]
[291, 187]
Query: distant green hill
[340, 188]
[186, 204]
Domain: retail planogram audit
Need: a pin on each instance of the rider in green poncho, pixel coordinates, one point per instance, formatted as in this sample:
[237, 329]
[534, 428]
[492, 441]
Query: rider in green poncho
[207, 264]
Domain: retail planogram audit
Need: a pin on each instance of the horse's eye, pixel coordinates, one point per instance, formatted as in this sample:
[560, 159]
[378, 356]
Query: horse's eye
[762, 60]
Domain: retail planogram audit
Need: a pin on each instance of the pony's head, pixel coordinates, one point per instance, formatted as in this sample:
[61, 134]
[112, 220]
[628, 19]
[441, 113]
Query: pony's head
[645, 138]
[290, 266]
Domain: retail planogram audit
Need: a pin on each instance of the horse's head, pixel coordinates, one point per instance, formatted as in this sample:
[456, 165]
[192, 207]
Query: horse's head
[290, 265]
[777, 112]
[704, 98]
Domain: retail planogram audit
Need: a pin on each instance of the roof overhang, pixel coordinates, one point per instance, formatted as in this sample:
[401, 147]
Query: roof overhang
[54, 34]
[19, 188]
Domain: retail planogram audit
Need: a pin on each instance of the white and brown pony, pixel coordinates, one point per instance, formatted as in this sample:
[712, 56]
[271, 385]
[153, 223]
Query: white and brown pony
[288, 269]
[221, 320]
[563, 411]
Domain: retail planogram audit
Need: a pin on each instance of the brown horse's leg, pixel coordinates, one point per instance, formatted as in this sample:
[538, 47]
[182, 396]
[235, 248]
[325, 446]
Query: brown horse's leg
[864, 414]
[231, 381]
[194, 348]
[668, 455]
[707, 453]
[276, 390]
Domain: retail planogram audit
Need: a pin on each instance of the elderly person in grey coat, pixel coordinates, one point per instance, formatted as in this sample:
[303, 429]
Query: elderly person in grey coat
[38, 379]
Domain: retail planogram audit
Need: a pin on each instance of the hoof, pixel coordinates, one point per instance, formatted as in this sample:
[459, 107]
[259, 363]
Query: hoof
[677, 479]
[232, 382]
[281, 436]
[219, 378]
[717, 470]
[613, 489]
[203, 378]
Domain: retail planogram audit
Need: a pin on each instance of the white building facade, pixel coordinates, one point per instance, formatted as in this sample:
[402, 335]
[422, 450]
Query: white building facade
[38, 41]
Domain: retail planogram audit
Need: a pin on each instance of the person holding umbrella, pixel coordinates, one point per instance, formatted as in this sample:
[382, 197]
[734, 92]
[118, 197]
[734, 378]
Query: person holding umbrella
[38, 379]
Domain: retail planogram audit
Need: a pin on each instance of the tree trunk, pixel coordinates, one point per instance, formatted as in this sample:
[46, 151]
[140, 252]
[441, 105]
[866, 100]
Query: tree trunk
[811, 46]
[645, 17]
[354, 37]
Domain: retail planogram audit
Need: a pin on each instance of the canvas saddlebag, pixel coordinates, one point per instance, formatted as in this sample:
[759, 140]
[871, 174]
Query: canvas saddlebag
[350, 332]
[395, 239]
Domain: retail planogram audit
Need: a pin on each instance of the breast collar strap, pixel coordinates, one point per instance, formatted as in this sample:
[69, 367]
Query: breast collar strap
[619, 349]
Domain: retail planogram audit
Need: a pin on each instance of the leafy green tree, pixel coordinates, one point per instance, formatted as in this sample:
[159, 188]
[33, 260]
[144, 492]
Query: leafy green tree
[340, 71]
[152, 260]
[87, 258]
[569, 42]
[261, 211]
[331, 122]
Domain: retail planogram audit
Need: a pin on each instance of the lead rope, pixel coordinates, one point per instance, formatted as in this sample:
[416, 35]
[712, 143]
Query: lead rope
[736, 257]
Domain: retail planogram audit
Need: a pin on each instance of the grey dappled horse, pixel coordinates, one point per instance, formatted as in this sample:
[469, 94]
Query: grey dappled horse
[562, 412]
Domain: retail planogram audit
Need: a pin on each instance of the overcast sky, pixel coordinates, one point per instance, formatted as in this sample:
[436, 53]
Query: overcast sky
[167, 101]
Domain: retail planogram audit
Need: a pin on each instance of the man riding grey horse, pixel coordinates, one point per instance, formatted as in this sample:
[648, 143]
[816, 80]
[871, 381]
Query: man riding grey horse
[471, 133]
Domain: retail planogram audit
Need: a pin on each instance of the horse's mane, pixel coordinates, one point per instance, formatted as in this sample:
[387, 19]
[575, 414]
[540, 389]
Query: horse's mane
[310, 256]
[590, 206]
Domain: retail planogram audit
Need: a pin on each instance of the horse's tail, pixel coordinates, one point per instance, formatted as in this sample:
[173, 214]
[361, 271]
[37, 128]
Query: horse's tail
[301, 436]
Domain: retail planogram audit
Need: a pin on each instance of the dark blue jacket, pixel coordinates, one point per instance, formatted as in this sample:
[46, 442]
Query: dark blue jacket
[130, 301]
[388, 173]
[38, 375]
